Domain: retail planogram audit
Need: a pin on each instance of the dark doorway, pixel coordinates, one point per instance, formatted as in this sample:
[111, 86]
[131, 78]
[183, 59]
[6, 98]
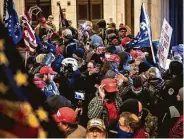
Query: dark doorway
[91, 10]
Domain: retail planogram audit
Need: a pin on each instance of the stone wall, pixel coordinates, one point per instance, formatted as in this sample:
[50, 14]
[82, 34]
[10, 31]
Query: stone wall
[70, 11]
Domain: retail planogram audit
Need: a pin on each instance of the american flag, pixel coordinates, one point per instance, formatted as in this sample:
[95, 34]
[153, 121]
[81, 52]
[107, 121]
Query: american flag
[11, 21]
[28, 33]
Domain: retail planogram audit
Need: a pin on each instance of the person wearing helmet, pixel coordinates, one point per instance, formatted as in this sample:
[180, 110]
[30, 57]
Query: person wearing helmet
[69, 42]
[47, 75]
[69, 73]
[154, 83]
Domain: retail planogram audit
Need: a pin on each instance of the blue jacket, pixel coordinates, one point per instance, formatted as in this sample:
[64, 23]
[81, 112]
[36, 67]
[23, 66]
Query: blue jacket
[50, 89]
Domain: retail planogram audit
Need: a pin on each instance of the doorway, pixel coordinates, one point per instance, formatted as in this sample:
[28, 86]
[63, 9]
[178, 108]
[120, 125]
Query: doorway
[91, 10]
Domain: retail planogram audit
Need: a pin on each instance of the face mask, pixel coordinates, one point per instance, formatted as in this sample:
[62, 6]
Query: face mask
[123, 134]
[136, 90]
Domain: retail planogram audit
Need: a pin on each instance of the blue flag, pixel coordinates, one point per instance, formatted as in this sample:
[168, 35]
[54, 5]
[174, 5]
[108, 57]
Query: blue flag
[142, 39]
[11, 21]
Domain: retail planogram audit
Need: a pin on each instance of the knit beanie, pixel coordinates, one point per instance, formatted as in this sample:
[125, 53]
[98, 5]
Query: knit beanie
[130, 105]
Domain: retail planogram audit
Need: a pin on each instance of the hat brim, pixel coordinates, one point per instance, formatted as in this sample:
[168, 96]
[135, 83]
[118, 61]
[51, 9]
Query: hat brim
[112, 90]
[95, 126]
[56, 119]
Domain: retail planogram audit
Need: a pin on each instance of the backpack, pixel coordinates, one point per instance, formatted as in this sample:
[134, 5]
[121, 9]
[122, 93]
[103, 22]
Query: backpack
[177, 130]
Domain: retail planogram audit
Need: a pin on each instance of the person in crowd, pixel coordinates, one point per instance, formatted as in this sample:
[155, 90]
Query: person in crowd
[50, 22]
[121, 25]
[42, 28]
[154, 85]
[96, 129]
[69, 42]
[122, 33]
[171, 115]
[106, 104]
[47, 75]
[138, 92]
[113, 26]
[127, 125]
[66, 120]
[87, 82]
[148, 122]
[54, 103]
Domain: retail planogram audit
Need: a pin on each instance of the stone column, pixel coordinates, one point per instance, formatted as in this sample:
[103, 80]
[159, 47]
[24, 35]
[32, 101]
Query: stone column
[120, 17]
[110, 10]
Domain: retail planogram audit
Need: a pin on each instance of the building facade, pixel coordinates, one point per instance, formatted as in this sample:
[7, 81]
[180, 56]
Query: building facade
[118, 11]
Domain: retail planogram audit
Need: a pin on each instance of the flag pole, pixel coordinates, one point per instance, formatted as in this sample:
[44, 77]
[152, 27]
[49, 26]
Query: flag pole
[149, 33]
[153, 55]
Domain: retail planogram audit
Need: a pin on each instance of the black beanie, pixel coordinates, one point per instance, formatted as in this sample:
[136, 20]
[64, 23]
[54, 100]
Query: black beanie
[144, 66]
[130, 105]
[176, 67]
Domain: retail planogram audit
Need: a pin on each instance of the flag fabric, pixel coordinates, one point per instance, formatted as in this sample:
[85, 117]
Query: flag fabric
[21, 104]
[11, 21]
[28, 33]
[63, 23]
[143, 38]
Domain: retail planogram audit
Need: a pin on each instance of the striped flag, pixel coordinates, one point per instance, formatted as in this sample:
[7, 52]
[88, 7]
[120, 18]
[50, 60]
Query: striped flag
[28, 33]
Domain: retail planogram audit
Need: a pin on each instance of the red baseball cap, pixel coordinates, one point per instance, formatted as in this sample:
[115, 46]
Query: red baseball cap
[114, 58]
[125, 41]
[110, 85]
[43, 20]
[47, 69]
[65, 114]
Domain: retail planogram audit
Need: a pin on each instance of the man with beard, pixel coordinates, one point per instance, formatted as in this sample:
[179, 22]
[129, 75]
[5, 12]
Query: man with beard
[47, 75]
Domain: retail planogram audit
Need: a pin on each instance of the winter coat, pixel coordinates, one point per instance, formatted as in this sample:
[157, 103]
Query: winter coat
[50, 89]
[97, 109]
[80, 132]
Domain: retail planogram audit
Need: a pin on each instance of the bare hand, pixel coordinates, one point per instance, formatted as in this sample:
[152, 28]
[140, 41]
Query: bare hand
[101, 91]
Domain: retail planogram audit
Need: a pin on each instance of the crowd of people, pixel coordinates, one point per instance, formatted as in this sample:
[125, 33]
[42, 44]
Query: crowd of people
[97, 86]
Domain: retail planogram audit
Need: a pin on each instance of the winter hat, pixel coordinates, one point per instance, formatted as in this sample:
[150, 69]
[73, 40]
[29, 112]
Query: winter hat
[176, 67]
[144, 66]
[137, 81]
[102, 23]
[123, 29]
[96, 40]
[130, 105]
[57, 101]
[79, 52]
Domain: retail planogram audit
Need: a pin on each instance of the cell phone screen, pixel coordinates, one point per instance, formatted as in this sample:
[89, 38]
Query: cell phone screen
[79, 96]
